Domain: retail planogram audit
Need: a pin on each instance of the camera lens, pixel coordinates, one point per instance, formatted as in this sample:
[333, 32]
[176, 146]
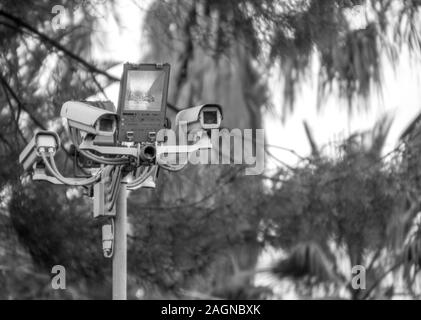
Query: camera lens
[148, 153]
[106, 124]
[210, 117]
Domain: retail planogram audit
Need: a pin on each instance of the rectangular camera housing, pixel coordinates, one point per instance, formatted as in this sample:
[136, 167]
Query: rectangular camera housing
[90, 117]
[42, 139]
[142, 101]
[203, 117]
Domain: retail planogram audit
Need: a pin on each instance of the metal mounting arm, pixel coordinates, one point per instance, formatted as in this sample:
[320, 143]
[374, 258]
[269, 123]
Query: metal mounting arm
[203, 143]
[120, 151]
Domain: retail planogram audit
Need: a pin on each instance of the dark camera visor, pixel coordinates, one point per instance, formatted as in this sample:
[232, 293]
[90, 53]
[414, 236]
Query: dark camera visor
[106, 124]
[210, 117]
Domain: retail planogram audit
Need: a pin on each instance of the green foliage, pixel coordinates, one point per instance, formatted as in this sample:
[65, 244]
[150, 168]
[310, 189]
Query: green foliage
[348, 202]
[306, 260]
[183, 233]
[57, 231]
[191, 229]
[292, 33]
[41, 69]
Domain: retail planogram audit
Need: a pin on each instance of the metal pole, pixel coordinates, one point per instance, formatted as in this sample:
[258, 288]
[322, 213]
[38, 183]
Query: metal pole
[120, 246]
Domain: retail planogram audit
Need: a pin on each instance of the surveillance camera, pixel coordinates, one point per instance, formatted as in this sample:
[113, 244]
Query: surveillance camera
[89, 118]
[207, 116]
[48, 140]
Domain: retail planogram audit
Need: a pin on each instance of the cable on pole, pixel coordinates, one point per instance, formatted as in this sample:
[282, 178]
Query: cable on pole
[52, 168]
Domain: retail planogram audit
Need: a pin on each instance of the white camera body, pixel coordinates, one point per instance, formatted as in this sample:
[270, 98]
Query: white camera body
[205, 117]
[42, 139]
[90, 119]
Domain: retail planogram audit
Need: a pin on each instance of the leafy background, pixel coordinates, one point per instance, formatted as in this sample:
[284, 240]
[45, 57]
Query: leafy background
[201, 232]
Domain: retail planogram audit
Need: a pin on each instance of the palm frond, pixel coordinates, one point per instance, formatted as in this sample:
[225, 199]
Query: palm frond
[306, 260]
[310, 137]
[379, 134]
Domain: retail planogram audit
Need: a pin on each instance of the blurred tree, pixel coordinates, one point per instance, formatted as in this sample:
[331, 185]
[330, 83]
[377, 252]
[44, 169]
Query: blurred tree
[217, 194]
[406, 229]
[41, 68]
[222, 52]
[345, 204]
[349, 38]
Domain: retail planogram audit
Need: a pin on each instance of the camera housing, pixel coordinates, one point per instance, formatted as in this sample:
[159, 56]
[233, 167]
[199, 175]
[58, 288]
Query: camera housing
[206, 117]
[142, 101]
[87, 117]
[30, 156]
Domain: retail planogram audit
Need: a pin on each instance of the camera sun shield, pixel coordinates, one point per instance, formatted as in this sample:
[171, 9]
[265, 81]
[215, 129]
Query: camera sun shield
[142, 101]
[90, 117]
[203, 117]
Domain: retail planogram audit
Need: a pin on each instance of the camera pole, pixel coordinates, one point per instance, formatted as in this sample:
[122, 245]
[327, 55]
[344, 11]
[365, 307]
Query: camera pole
[120, 246]
[38, 159]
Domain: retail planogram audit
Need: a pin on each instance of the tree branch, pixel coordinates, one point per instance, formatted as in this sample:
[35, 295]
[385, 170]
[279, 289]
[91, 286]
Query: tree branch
[8, 144]
[380, 279]
[20, 104]
[15, 118]
[57, 45]
[23, 107]
[61, 48]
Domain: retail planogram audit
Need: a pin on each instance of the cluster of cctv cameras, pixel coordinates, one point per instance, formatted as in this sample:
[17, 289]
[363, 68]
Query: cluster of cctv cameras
[95, 129]
[110, 144]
